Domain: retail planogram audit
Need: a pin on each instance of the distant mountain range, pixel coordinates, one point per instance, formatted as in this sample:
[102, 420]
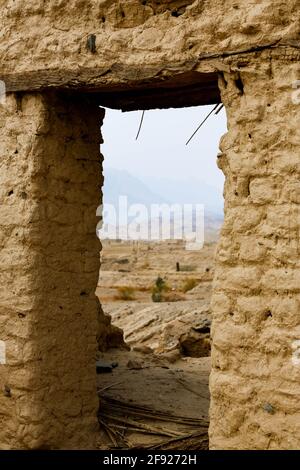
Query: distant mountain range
[120, 182]
[156, 190]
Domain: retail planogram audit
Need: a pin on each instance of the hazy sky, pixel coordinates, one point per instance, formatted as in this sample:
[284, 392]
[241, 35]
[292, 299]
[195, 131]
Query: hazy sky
[160, 149]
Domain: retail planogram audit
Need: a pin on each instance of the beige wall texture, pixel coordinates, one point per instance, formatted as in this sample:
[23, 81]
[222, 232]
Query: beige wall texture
[51, 186]
[45, 43]
[50, 189]
[255, 382]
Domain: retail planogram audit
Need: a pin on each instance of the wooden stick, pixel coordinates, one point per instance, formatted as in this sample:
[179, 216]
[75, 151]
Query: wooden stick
[143, 411]
[187, 436]
[109, 432]
[140, 126]
[151, 429]
[201, 124]
[108, 386]
[181, 382]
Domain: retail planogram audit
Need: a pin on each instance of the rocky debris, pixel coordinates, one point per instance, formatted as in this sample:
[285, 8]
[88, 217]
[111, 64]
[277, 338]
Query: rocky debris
[103, 366]
[142, 349]
[189, 334]
[134, 364]
[150, 325]
[195, 344]
[168, 329]
[171, 356]
[109, 335]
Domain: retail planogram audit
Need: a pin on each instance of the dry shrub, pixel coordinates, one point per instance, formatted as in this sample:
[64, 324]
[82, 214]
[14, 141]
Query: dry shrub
[189, 284]
[187, 267]
[125, 293]
[159, 290]
[143, 288]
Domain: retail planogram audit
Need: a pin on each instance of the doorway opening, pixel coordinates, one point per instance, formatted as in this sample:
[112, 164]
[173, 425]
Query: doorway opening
[154, 288]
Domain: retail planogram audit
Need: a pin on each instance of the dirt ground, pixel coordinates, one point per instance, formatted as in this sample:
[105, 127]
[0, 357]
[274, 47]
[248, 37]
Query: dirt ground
[156, 395]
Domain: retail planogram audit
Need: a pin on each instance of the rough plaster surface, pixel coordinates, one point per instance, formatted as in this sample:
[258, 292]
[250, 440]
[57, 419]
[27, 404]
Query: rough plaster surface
[255, 384]
[49, 252]
[50, 189]
[45, 43]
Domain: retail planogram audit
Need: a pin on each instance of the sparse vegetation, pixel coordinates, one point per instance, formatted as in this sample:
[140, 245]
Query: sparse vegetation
[157, 297]
[159, 290]
[125, 293]
[143, 288]
[189, 284]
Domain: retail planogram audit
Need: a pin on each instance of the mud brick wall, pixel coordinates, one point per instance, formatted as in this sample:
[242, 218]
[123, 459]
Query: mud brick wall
[50, 189]
[45, 43]
[255, 383]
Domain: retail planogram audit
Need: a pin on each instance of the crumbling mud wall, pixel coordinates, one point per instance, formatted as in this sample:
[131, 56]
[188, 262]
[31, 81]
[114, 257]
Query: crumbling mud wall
[255, 382]
[105, 43]
[50, 189]
[137, 55]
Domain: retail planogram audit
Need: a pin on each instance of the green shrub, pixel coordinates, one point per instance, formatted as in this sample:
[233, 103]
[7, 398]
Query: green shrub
[159, 290]
[157, 297]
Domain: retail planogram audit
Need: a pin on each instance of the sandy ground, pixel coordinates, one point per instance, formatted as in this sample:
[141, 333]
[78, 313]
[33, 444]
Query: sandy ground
[157, 374]
[138, 265]
[180, 389]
